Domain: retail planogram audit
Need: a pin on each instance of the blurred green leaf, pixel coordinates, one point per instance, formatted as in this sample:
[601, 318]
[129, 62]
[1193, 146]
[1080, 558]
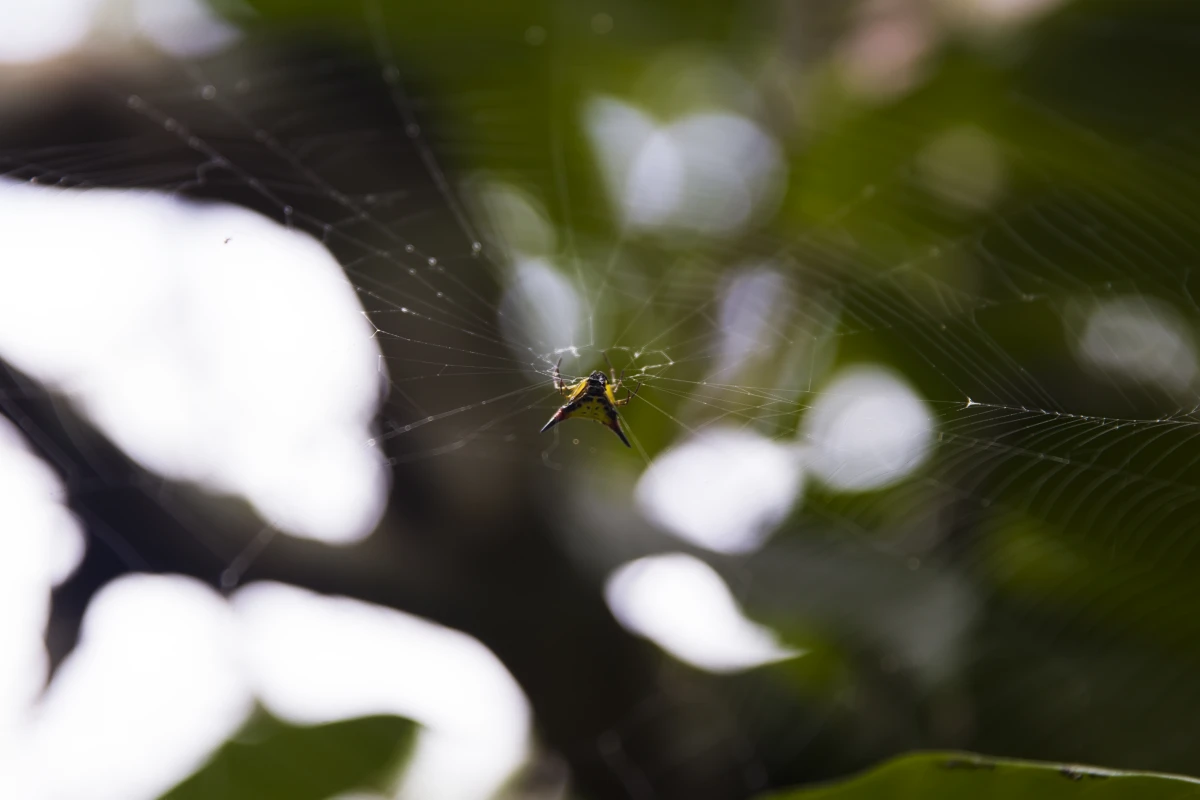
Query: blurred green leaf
[930, 776]
[272, 760]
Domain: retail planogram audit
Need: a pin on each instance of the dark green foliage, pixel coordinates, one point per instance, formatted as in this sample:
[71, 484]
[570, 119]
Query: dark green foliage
[271, 760]
[950, 776]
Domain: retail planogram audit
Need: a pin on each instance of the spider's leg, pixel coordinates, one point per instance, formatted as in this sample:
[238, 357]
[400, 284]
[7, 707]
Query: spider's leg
[612, 372]
[558, 381]
[632, 395]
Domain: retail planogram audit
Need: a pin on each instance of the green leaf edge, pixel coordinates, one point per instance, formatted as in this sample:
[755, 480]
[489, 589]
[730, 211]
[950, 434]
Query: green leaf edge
[911, 775]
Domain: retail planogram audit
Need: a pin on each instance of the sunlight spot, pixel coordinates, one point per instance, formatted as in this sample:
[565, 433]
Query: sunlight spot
[682, 605]
[963, 167]
[184, 28]
[1139, 338]
[515, 219]
[882, 55]
[710, 173]
[752, 304]
[867, 429]
[991, 13]
[152, 690]
[654, 183]
[540, 307]
[38, 31]
[48, 29]
[40, 545]
[34, 505]
[724, 490]
[210, 343]
[318, 659]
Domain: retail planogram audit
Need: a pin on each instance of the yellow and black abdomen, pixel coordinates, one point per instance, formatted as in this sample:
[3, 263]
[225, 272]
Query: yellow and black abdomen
[592, 407]
[591, 402]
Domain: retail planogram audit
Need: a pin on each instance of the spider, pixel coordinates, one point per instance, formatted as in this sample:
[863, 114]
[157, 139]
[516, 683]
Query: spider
[594, 397]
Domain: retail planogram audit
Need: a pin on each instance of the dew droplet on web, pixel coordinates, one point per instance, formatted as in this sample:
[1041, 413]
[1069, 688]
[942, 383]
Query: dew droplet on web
[408, 248]
[208, 92]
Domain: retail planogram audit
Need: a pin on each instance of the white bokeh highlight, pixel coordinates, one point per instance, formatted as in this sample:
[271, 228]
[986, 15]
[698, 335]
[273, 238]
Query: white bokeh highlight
[33, 511]
[709, 173]
[40, 545]
[153, 689]
[317, 659]
[50, 29]
[682, 605]
[166, 671]
[34, 32]
[724, 489]
[867, 429]
[540, 310]
[753, 304]
[183, 28]
[1140, 339]
[210, 343]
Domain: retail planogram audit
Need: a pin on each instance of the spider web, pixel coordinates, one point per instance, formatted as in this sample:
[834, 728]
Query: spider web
[1029, 584]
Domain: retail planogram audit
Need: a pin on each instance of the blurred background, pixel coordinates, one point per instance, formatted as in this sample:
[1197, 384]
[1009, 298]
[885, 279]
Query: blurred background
[908, 287]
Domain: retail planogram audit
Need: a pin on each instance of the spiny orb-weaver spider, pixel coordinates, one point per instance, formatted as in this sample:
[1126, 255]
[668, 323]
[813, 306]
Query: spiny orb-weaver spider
[594, 397]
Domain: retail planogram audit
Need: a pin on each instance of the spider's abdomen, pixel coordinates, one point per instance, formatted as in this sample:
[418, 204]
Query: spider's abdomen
[592, 407]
